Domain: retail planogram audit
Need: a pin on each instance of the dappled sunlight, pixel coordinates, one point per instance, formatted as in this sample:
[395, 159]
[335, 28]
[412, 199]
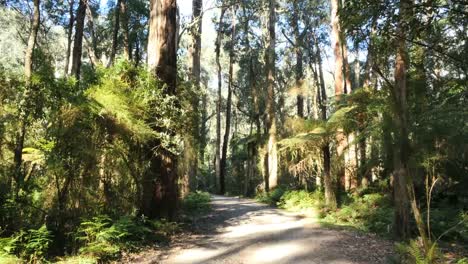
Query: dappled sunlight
[255, 229]
[195, 255]
[274, 253]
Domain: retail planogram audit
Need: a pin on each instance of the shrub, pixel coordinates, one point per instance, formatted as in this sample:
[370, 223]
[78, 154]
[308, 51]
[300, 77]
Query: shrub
[413, 253]
[300, 200]
[272, 197]
[196, 203]
[371, 212]
[105, 238]
[32, 244]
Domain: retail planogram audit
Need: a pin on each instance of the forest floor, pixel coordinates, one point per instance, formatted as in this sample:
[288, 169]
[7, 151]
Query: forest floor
[245, 231]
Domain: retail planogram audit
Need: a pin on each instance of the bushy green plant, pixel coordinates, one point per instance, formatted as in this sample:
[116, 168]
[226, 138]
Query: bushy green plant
[413, 253]
[371, 212]
[272, 197]
[104, 238]
[196, 202]
[32, 245]
[300, 200]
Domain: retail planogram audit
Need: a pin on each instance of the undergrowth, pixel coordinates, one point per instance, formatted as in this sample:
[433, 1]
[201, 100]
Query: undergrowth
[196, 203]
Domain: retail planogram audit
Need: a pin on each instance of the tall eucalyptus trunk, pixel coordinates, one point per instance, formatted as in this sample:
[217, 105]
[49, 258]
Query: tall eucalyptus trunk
[271, 164]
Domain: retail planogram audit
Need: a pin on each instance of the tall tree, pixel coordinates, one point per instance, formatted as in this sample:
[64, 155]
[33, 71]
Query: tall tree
[228, 107]
[78, 41]
[115, 32]
[218, 103]
[126, 31]
[298, 47]
[24, 109]
[28, 58]
[71, 20]
[160, 194]
[192, 138]
[404, 194]
[271, 175]
[330, 194]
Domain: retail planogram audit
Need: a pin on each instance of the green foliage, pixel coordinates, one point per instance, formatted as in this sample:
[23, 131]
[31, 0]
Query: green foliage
[370, 213]
[32, 244]
[414, 253]
[272, 197]
[102, 238]
[300, 200]
[196, 203]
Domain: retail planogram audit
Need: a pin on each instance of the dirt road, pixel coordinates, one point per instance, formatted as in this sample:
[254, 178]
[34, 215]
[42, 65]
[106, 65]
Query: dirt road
[244, 231]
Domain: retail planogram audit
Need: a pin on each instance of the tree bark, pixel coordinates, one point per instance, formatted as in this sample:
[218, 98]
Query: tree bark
[24, 109]
[126, 34]
[160, 192]
[404, 196]
[71, 21]
[271, 179]
[299, 66]
[91, 45]
[28, 59]
[115, 33]
[191, 140]
[78, 41]
[218, 105]
[330, 194]
[228, 108]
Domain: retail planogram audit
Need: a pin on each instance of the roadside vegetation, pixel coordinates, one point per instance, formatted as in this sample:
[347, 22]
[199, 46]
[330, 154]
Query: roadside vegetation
[370, 211]
[100, 239]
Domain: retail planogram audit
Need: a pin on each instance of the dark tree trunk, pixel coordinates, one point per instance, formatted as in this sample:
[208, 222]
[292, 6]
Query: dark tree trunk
[24, 109]
[330, 194]
[78, 42]
[28, 58]
[115, 33]
[71, 21]
[404, 194]
[160, 192]
[228, 109]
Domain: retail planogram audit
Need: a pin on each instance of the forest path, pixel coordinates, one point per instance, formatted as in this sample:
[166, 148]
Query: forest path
[244, 231]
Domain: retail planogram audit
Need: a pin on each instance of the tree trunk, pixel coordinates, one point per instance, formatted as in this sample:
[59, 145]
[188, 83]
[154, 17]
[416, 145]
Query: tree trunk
[228, 109]
[218, 105]
[190, 151]
[404, 195]
[338, 51]
[298, 68]
[91, 45]
[330, 195]
[69, 36]
[24, 109]
[78, 41]
[160, 192]
[28, 59]
[126, 35]
[115, 33]
[271, 177]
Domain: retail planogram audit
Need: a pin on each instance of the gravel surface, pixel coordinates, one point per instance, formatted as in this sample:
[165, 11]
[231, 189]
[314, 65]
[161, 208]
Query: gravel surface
[244, 231]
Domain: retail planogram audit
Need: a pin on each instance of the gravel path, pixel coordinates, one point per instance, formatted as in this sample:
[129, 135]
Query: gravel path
[244, 231]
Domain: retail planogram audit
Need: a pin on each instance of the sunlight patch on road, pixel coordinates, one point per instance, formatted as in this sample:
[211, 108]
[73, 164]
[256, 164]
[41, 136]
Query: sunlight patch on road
[195, 255]
[255, 229]
[275, 253]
